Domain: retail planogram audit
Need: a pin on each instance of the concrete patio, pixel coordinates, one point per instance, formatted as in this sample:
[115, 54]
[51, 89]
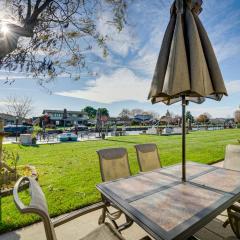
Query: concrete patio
[79, 227]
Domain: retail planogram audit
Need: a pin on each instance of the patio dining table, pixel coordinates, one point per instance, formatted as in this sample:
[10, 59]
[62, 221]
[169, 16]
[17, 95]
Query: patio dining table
[167, 208]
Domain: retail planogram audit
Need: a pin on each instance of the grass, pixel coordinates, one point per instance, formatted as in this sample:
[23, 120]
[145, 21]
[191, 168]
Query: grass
[68, 172]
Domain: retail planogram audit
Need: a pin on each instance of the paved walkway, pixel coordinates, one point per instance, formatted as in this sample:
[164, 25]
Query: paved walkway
[79, 227]
[72, 230]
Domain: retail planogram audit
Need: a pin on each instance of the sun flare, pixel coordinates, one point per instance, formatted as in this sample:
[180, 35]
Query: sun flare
[4, 28]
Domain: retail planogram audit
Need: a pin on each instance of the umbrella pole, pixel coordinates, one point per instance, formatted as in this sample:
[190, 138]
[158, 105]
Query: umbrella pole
[183, 138]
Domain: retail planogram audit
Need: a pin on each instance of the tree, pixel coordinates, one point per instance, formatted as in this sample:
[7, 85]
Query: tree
[190, 119]
[237, 116]
[209, 116]
[19, 107]
[35, 34]
[91, 112]
[125, 114]
[102, 117]
[203, 118]
[103, 112]
[136, 111]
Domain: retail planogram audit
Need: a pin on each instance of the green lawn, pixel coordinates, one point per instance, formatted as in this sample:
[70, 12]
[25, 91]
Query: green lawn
[68, 172]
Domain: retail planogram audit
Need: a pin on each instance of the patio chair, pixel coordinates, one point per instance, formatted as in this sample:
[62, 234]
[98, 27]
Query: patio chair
[38, 205]
[148, 157]
[232, 162]
[232, 157]
[234, 219]
[113, 165]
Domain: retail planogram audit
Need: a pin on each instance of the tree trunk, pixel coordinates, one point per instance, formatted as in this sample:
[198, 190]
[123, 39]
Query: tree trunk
[8, 42]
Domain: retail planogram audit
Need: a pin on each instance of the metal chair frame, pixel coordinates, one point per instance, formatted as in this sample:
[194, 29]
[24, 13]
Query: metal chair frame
[38, 205]
[138, 150]
[106, 213]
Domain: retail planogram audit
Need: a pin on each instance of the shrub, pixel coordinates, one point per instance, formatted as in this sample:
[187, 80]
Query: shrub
[9, 173]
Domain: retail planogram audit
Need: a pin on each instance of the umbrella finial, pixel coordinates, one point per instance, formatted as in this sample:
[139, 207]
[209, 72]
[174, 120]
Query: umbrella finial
[179, 5]
[194, 5]
[197, 6]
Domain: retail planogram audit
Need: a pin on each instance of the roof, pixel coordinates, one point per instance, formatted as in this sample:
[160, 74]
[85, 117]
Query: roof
[143, 117]
[5, 115]
[61, 111]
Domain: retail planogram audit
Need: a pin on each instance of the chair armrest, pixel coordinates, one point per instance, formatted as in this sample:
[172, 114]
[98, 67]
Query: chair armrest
[38, 204]
[22, 208]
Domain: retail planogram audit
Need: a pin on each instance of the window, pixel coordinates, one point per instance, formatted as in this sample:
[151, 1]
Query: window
[57, 114]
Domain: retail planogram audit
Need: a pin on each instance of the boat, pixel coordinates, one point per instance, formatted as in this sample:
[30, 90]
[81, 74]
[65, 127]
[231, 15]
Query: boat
[66, 137]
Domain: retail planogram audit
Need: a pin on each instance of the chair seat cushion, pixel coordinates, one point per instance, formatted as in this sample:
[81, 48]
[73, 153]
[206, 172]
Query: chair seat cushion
[103, 232]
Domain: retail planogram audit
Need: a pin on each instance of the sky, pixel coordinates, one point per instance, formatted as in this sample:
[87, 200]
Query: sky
[123, 78]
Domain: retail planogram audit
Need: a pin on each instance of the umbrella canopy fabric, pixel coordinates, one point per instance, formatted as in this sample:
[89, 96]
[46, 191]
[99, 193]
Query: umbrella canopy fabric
[187, 65]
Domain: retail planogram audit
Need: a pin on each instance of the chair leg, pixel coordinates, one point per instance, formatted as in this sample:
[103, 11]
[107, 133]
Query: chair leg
[106, 214]
[102, 217]
[126, 225]
[234, 219]
[226, 223]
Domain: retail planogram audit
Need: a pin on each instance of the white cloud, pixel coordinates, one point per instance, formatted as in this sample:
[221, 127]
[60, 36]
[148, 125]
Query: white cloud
[233, 86]
[144, 64]
[221, 27]
[157, 17]
[146, 58]
[118, 42]
[215, 112]
[122, 85]
[226, 49]
[12, 77]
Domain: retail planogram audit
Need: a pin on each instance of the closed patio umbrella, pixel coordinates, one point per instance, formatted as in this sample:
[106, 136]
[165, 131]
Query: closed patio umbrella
[187, 68]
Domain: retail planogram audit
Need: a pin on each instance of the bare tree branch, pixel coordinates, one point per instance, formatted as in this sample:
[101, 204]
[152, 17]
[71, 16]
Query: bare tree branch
[55, 28]
[19, 107]
[29, 9]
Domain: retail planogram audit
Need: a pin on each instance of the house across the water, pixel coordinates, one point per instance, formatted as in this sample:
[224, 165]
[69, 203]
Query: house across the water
[66, 117]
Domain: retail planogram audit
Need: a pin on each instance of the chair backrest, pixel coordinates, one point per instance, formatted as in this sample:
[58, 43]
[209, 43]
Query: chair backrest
[232, 157]
[38, 204]
[148, 157]
[113, 163]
